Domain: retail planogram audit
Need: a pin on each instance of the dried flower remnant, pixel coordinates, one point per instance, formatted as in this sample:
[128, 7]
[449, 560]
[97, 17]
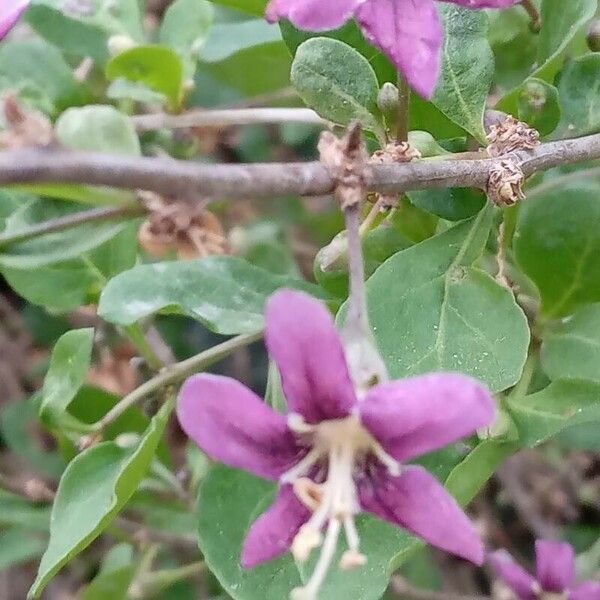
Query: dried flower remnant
[10, 13]
[555, 574]
[511, 135]
[505, 183]
[181, 227]
[394, 152]
[335, 455]
[408, 32]
[25, 128]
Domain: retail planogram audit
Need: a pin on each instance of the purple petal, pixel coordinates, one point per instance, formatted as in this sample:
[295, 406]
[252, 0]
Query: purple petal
[513, 575]
[416, 501]
[414, 416]
[485, 3]
[313, 15]
[234, 426]
[586, 591]
[272, 533]
[303, 341]
[410, 34]
[10, 11]
[555, 565]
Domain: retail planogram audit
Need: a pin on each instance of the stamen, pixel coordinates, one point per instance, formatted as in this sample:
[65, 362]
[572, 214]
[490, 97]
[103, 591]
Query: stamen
[302, 467]
[297, 424]
[306, 540]
[309, 493]
[352, 558]
[310, 590]
[393, 466]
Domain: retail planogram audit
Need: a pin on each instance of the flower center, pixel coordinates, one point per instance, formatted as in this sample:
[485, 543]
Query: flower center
[343, 445]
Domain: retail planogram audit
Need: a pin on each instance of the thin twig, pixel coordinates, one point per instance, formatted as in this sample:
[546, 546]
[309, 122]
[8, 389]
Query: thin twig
[74, 220]
[176, 373]
[403, 589]
[227, 118]
[271, 180]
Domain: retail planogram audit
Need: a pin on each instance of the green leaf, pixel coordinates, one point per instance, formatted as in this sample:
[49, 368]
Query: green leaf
[452, 204]
[157, 67]
[268, 62]
[57, 247]
[98, 128]
[255, 7]
[539, 106]
[16, 421]
[85, 30]
[15, 511]
[557, 242]
[431, 311]
[79, 280]
[226, 294]
[562, 404]
[93, 489]
[186, 26]
[337, 82]
[468, 477]
[69, 365]
[41, 65]
[18, 546]
[578, 87]
[571, 348]
[560, 23]
[227, 39]
[467, 68]
[115, 576]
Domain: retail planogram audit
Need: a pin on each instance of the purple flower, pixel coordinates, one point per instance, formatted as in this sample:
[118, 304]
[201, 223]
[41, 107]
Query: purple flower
[555, 574]
[334, 455]
[407, 31]
[10, 11]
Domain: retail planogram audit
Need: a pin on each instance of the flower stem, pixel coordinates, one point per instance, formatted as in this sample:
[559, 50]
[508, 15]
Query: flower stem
[176, 373]
[357, 312]
[403, 109]
[137, 337]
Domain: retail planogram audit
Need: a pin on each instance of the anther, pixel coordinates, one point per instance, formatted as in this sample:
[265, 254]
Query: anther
[352, 559]
[309, 493]
[306, 540]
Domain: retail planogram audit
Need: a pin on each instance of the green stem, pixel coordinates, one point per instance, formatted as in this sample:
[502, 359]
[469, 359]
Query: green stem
[403, 110]
[136, 335]
[157, 581]
[175, 373]
[520, 390]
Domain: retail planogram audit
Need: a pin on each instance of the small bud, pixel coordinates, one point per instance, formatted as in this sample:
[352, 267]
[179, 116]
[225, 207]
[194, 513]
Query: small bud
[119, 43]
[593, 36]
[87, 441]
[388, 102]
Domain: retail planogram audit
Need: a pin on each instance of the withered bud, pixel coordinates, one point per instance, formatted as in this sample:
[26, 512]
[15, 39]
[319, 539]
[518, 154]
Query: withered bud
[345, 159]
[505, 184]
[185, 228]
[25, 128]
[395, 152]
[511, 135]
[593, 36]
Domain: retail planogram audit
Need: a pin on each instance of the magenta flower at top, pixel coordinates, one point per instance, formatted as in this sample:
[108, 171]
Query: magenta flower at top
[407, 31]
[555, 574]
[10, 11]
[334, 455]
